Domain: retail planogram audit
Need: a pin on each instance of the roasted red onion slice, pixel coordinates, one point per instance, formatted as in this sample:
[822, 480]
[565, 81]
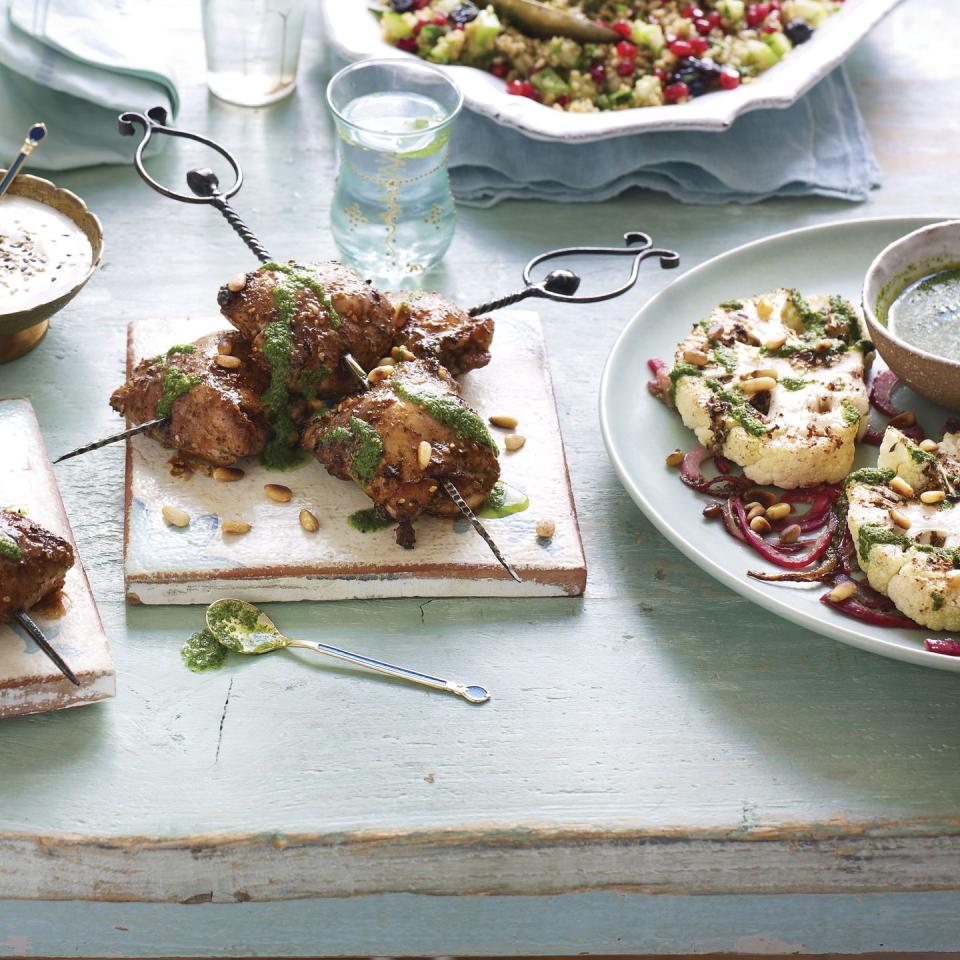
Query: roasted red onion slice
[881, 392]
[878, 618]
[660, 385]
[770, 552]
[720, 486]
[950, 648]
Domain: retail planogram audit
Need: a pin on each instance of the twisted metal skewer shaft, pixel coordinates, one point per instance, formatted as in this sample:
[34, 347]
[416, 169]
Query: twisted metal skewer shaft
[115, 438]
[36, 634]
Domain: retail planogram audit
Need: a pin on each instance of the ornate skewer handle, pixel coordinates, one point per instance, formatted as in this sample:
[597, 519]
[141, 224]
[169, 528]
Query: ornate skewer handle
[203, 183]
[562, 285]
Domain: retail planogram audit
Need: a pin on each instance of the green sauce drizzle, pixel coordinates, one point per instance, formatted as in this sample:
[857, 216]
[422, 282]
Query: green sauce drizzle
[9, 550]
[793, 383]
[731, 305]
[725, 357]
[450, 412]
[368, 521]
[737, 408]
[869, 475]
[682, 370]
[870, 534]
[369, 446]
[181, 348]
[203, 652]
[175, 385]
[235, 612]
[310, 381]
[301, 277]
[850, 413]
[918, 455]
[504, 501]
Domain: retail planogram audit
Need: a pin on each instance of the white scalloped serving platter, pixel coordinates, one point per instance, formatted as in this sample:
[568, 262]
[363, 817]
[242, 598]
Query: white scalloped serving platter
[354, 34]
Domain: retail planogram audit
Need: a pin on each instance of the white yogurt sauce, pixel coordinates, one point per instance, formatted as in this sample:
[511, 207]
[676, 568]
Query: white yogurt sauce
[43, 254]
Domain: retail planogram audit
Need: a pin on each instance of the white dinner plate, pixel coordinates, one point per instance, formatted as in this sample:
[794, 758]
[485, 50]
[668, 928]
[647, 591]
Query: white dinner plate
[639, 431]
[354, 33]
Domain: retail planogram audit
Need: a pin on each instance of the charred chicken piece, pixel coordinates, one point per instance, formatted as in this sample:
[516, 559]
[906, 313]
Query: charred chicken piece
[215, 411]
[33, 563]
[302, 320]
[432, 326]
[380, 439]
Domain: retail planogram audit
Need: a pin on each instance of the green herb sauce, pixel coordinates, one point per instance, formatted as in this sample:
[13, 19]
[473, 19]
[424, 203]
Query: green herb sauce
[450, 412]
[927, 313]
[725, 357]
[203, 652]
[870, 534]
[919, 456]
[368, 450]
[841, 310]
[850, 413]
[230, 612]
[504, 501]
[737, 408]
[181, 348]
[793, 383]
[682, 370]
[871, 476]
[731, 305]
[302, 277]
[938, 601]
[368, 521]
[310, 381]
[9, 550]
[175, 385]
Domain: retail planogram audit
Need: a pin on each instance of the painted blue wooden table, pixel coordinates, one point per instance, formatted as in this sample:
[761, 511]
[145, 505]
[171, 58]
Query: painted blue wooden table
[665, 768]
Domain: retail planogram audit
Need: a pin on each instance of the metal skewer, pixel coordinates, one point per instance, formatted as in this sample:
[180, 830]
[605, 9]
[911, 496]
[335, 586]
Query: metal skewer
[36, 634]
[34, 135]
[142, 428]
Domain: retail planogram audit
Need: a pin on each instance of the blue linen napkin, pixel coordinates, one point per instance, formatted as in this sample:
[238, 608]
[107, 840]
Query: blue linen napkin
[817, 146]
[75, 65]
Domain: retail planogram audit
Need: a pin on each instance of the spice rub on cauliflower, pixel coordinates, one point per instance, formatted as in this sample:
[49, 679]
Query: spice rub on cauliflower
[776, 384]
[904, 517]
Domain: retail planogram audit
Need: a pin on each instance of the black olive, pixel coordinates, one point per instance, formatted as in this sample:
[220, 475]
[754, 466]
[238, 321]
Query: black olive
[402, 6]
[463, 13]
[798, 32]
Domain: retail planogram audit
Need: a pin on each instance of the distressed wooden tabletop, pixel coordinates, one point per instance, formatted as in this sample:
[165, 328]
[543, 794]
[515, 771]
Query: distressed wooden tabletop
[657, 738]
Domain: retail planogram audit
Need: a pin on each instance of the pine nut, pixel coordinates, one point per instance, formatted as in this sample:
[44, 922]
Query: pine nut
[757, 511]
[901, 486]
[899, 519]
[776, 343]
[508, 423]
[235, 528]
[278, 492]
[385, 362]
[764, 308]
[769, 372]
[309, 522]
[697, 357]
[379, 374]
[514, 441]
[759, 525]
[546, 529]
[712, 510]
[228, 474]
[675, 459]
[226, 361]
[715, 331]
[906, 419]
[757, 385]
[424, 454]
[237, 282]
[843, 591]
[766, 497]
[225, 347]
[932, 496]
[398, 354]
[824, 403]
[175, 517]
[929, 446]
[822, 346]
[778, 511]
[315, 404]
[791, 534]
[753, 504]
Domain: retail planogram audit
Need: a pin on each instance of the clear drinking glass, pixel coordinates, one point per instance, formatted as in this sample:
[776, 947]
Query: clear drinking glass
[393, 215]
[253, 48]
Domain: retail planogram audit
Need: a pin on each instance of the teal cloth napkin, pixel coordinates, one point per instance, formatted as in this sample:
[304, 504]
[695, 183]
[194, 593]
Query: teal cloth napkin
[819, 145]
[76, 65]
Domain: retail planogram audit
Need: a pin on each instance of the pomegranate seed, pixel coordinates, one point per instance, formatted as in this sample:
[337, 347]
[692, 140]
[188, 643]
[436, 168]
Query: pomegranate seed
[681, 49]
[440, 20]
[771, 28]
[729, 79]
[522, 88]
[675, 92]
[626, 49]
[598, 74]
[714, 19]
[774, 4]
[626, 68]
[691, 12]
[757, 13]
[499, 70]
[699, 45]
[661, 75]
[703, 25]
[624, 29]
[408, 44]
[562, 100]
[420, 4]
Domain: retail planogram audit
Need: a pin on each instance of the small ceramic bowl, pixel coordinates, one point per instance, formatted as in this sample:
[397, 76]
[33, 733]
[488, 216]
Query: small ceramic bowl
[22, 330]
[910, 258]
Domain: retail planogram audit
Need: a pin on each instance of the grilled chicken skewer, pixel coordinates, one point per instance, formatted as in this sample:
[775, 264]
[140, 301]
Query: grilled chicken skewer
[413, 446]
[33, 564]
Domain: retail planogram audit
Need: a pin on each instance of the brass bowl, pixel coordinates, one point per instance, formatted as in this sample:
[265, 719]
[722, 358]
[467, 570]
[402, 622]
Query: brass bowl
[20, 332]
[925, 251]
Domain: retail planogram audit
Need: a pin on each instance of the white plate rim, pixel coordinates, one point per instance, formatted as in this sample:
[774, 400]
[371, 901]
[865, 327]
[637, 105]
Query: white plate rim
[484, 94]
[833, 625]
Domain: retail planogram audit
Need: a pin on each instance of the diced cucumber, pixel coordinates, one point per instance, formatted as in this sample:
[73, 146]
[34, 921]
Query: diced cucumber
[760, 55]
[549, 84]
[779, 43]
[648, 35]
[481, 34]
[731, 10]
[813, 12]
[396, 26]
